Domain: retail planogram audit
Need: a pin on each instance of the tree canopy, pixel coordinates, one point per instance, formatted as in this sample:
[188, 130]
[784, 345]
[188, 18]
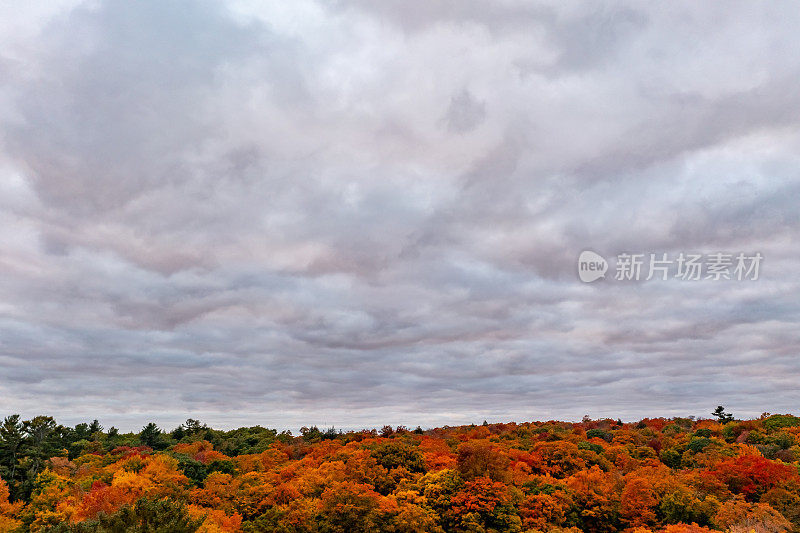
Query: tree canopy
[656, 475]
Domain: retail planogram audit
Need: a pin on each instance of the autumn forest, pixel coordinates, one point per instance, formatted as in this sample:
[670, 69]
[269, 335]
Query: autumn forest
[657, 475]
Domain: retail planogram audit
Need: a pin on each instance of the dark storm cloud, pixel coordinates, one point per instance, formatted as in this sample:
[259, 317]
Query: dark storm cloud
[358, 213]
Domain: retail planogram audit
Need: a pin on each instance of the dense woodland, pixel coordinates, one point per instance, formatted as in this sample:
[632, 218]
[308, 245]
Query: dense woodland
[672, 475]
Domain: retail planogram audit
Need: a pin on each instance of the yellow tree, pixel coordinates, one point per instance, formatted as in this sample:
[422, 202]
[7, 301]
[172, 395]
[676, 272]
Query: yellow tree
[7, 510]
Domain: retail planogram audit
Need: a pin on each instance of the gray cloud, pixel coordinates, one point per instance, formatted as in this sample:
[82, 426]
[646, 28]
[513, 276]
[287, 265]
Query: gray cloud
[464, 113]
[359, 213]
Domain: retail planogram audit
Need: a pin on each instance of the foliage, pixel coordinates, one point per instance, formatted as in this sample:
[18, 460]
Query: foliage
[657, 475]
[721, 415]
[780, 421]
[146, 516]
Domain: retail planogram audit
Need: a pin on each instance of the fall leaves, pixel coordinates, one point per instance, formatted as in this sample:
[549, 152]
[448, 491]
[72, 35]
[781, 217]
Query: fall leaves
[658, 475]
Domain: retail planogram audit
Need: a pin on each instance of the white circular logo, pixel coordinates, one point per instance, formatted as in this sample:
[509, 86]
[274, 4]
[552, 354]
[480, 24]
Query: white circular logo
[591, 266]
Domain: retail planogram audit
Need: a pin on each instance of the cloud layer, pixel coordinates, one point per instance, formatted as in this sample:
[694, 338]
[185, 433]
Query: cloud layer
[359, 213]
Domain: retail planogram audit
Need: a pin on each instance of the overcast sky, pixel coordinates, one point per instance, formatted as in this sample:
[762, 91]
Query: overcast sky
[358, 213]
